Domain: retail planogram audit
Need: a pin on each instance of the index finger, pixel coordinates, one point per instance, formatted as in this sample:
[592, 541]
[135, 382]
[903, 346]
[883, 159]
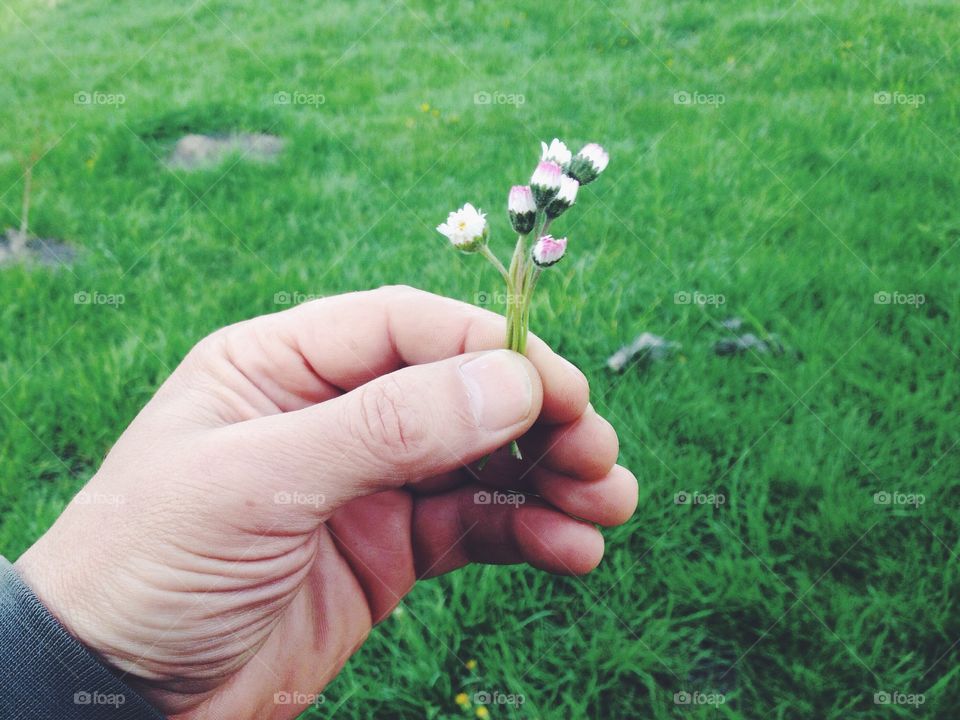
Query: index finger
[316, 350]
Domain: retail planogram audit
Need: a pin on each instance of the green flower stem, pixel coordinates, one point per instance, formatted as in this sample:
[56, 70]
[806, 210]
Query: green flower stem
[516, 302]
[533, 274]
[515, 294]
[521, 278]
[495, 261]
[546, 226]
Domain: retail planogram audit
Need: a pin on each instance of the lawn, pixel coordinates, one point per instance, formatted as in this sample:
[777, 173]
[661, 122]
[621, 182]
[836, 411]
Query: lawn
[793, 164]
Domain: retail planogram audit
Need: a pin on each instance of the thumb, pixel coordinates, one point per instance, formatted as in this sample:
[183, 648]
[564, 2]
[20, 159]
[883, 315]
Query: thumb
[408, 425]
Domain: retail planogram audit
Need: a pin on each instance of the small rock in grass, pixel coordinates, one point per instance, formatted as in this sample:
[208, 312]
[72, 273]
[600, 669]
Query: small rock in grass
[748, 343]
[647, 347]
[14, 247]
[733, 324]
[195, 151]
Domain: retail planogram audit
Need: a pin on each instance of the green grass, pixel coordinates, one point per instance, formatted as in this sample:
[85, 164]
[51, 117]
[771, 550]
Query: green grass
[797, 199]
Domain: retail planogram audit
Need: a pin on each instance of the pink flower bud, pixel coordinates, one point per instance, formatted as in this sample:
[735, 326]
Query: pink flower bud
[588, 163]
[521, 199]
[566, 196]
[545, 182]
[597, 156]
[522, 208]
[548, 250]
[547, 175]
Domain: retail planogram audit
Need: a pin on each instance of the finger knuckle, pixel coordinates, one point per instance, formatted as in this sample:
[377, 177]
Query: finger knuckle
[388, 425]
[398, 289]
[211, 344]
[389, 294]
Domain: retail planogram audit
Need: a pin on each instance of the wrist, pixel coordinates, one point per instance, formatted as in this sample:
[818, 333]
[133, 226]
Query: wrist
[65, 678]
[57, 582]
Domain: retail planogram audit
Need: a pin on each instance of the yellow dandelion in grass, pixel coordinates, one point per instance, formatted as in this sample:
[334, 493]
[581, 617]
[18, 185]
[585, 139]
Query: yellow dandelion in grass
[425, 107]
[471, 664]
[462, 699]
[482, 712]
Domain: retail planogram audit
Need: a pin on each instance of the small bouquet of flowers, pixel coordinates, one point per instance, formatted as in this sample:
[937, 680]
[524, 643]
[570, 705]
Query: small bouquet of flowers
[532, 209]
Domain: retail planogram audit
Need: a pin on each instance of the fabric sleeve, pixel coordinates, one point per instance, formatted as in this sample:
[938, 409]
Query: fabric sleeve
[46, 674]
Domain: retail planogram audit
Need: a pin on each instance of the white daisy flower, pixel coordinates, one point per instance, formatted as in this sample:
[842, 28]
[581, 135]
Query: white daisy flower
[466, 228]
[556, 152]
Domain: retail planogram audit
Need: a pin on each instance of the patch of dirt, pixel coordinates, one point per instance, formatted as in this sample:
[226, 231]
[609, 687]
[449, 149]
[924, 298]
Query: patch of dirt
[45, 251]
[195, 151]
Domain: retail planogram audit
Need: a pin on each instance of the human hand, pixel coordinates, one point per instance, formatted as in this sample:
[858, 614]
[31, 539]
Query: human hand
[298, 472]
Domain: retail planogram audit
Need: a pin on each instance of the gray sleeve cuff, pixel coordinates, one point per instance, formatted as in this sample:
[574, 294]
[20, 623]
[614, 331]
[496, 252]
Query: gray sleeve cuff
[46, 673]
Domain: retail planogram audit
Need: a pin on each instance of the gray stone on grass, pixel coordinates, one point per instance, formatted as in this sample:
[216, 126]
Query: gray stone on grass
[748, 343]
[646, 348]
[14, 248]
[194, 152]
[733, 324]
[739, 343]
